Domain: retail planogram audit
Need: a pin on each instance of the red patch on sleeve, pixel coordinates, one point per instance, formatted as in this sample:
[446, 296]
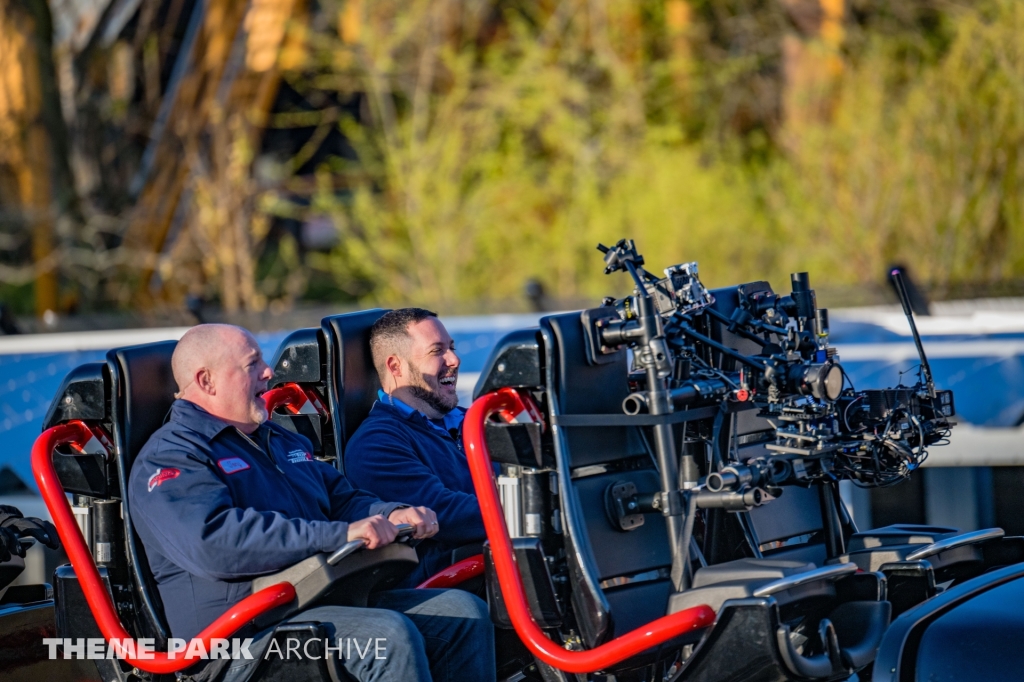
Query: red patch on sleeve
[162, 475]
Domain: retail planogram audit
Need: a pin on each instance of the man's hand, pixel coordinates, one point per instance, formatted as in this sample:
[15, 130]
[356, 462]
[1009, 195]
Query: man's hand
[424, 520]
[43, 531]
[375, 530]
[9, 545]
[31, 527]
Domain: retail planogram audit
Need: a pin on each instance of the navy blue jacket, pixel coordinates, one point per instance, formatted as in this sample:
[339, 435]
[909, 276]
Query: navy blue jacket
[214, 511]
[399, 457]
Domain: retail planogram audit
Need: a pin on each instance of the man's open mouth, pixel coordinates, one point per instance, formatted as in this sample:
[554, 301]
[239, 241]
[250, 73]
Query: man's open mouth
[448, 380]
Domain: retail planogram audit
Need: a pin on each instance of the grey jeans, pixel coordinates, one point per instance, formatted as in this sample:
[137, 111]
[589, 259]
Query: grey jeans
[408, 636]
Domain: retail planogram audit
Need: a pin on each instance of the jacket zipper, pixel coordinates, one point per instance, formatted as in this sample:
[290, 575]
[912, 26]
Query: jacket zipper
[270, 457]
[266, 453]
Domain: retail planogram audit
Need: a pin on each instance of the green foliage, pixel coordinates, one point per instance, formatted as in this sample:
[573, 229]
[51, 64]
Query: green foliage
[929, 175]
[485, 163]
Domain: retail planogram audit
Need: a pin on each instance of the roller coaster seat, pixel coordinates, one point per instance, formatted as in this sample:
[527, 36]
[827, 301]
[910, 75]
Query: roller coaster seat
[333, 361]
[620, 577]
[915, 558]
[793, 527]
[136, 394]
[128, 398]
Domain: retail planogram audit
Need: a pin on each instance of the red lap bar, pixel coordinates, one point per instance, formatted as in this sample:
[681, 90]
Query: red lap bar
[95, 591]
[604, 656]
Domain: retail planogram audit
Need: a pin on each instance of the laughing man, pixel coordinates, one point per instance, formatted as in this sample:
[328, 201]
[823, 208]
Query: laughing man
[410, 446]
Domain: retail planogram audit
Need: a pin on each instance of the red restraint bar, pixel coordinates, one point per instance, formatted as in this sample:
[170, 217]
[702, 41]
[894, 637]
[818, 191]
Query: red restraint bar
[456, 574]
[604, 656]
[289, 396]
[100, 603]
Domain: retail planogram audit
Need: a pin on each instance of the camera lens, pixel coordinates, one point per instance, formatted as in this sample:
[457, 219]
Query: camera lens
[832, 380]
[823, 381]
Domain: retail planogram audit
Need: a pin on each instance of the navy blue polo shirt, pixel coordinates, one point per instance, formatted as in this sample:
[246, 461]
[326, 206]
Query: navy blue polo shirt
[215, 508]
[398, 454]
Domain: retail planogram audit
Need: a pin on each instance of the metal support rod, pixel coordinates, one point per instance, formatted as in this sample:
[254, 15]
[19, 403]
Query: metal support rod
[659, 403]
[901, 291]
[721, 348]
[665, 448]
[835, 544]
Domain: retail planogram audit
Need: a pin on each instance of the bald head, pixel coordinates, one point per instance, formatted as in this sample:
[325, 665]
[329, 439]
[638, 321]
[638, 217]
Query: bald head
[201, 347]
[220, 368]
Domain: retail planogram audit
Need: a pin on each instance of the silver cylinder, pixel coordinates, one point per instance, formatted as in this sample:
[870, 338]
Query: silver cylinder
[511, 503]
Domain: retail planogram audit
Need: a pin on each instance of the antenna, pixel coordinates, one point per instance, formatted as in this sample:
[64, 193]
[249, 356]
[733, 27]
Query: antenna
[901, 291]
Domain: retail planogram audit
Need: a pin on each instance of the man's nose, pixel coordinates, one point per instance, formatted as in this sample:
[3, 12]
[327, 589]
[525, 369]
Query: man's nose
[267, 373]
[451, 359]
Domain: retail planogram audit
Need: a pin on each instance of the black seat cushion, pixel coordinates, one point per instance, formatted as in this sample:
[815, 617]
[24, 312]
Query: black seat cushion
[873, 549]
[713, 585]
[143, 389]
[352, 381]
[760, 570]
[899, 534]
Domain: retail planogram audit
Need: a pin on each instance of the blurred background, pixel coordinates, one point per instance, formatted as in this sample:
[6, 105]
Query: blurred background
[267, 162]
[158, 156]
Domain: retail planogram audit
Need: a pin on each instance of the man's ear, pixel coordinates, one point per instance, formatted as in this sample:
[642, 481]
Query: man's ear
[394, 365]
[204, 380]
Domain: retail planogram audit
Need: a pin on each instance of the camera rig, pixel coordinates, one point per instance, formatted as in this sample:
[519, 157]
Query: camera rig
[794, 379]
[750, 348]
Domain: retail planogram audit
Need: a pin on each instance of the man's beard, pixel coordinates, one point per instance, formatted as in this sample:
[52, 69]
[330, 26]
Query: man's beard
[259, 411]
[434, 399]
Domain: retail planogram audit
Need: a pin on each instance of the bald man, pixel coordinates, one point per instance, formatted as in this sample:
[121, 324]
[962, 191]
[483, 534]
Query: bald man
[219, 496]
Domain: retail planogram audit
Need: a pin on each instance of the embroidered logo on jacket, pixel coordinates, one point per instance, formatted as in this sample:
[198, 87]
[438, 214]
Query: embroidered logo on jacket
[232, 465]
[162, 475]
[296, 456]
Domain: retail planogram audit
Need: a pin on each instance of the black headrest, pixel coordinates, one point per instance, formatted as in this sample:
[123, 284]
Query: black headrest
[352, 379]
[585, 388]
[797, 512]
[143, 389]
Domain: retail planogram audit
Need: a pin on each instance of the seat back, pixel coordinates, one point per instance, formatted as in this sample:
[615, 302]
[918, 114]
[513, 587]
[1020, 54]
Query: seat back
[142, 388]
[299, 360]
[620, 578]
[333, 363]
[790, 517]
[145, 387]
[798, 512]
[352, 381]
